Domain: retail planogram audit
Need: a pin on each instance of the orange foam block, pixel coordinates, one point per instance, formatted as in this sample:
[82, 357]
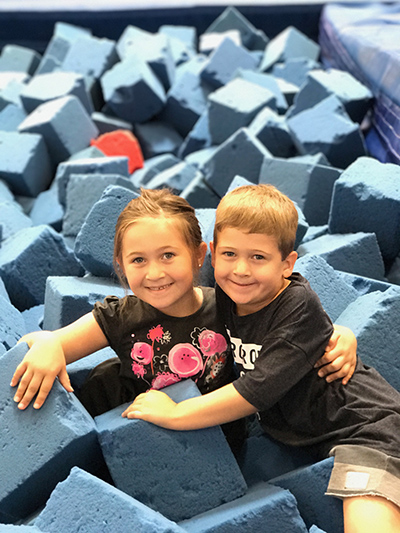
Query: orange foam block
[121, 142]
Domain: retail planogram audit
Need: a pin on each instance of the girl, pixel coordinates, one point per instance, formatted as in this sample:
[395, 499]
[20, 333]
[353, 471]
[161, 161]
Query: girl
[168, 330]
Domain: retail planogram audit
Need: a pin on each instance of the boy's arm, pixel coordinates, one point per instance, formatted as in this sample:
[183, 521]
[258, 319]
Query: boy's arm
[217, 407]
[340, 357]
[49, 353]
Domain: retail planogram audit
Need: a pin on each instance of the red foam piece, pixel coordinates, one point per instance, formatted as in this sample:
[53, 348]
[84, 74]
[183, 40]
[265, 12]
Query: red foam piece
[121, 142]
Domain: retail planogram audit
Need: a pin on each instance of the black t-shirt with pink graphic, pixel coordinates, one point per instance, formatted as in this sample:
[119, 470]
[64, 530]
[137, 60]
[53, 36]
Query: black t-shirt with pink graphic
[157, 350]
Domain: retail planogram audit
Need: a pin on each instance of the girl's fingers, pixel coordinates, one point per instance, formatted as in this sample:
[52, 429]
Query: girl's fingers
[27, 389]
[44, 389]
[19, 372]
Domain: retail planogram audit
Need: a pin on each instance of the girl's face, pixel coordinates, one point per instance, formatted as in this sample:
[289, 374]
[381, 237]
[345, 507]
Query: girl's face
[158, 265]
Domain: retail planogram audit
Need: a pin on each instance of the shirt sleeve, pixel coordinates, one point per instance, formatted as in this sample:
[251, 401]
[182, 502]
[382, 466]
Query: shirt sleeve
[108, 316]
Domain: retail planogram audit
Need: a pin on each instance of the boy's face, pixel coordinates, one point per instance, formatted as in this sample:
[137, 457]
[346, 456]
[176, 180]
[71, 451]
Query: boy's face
[249, 268]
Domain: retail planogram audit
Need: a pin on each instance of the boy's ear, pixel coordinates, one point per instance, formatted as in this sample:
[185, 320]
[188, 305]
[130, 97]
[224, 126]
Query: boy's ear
[212, 254]
[289, 264]
[202, 253]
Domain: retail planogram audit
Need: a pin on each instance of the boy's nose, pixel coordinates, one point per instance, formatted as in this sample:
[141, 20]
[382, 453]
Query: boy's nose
[241, 267]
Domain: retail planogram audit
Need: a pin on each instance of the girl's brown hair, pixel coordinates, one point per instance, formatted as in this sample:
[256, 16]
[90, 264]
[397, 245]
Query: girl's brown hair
[158, 203]
[259, 209]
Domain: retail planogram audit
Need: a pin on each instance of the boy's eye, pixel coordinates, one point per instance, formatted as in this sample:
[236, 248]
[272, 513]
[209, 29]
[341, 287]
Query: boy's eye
[228, 254]
[259, 257]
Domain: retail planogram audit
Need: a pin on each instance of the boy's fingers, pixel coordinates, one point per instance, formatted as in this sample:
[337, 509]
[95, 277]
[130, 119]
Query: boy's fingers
[44, 390]
[63, 378]
[27, 390]
[19, 372]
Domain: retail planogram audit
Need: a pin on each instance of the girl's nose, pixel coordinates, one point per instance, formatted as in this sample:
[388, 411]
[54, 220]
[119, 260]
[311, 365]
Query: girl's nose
[154, 270]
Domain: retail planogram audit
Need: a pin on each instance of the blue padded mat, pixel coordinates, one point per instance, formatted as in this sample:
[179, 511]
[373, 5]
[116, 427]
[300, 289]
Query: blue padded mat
[364, 39]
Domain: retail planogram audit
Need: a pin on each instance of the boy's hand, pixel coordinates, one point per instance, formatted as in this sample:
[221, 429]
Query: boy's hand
[154, 406]
[36, 373]
[340, 357]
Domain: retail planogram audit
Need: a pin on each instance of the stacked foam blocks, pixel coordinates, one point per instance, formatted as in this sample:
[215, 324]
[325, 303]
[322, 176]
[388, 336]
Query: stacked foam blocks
[82, 128]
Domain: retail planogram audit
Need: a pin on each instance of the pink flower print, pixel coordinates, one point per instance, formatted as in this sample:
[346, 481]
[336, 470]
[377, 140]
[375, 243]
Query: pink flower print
[142, 353]
[185, 360]
[138, 370]
[211, 342]
[164, 379]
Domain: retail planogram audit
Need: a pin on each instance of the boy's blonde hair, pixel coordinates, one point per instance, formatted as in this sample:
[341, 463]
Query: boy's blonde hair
[158, 203]
[259, 209]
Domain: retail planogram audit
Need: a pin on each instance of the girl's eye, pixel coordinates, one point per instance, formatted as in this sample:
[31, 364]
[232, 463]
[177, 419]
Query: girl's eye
[169, 255]
[137, 260]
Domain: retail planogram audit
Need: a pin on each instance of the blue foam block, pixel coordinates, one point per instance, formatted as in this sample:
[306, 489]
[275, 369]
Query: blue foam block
[333, 291]
[11, 117]
[106, 123]
[18, 529]
[64, 124]
[45, 87]
[271, 129]
[340, 139]
[220, 67]
[355, 96]
[186, 101]
[83, 191]
[198, 137]
[268, 82]
[94, 165]
[79, 370]
[232, 19]
[24, 162]
[144, 95]
[375, 319]
[308, 485]
[176, 178]
[310, 185]
[12, 324]
[366, 198]
[347, 252]
[288, 44]
[28, 258]
[106, 509]
[157, 138]
[95, 241]
[234, 106]
[264, 509]
[47, 209]
[33, 318]
[67, 298]
[362, 284]
[39, 447]
[12, 219]
[152, 167]
[19, 58]
[166, 469]
[294, 71]
[199, 194]
[90, 56]
[242, 154]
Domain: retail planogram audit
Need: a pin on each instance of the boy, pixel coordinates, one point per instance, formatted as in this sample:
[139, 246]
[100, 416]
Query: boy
[279, 329]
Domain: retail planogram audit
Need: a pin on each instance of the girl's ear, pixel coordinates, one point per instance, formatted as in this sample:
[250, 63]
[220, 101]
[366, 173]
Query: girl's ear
[289, 264]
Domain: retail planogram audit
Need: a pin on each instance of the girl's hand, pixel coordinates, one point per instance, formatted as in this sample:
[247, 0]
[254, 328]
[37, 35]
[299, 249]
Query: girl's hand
[154, 406]
[340, 357]
[41, 365]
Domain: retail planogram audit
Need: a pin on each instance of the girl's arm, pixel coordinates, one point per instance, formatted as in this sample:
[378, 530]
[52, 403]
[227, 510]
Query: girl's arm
[49, 353]
[340, 357]
[215, 408]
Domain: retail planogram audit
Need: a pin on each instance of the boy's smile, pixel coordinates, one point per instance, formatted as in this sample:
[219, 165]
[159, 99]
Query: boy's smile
[249, 268]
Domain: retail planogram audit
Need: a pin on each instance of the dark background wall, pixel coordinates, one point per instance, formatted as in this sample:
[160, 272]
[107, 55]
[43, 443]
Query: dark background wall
[34, 29]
